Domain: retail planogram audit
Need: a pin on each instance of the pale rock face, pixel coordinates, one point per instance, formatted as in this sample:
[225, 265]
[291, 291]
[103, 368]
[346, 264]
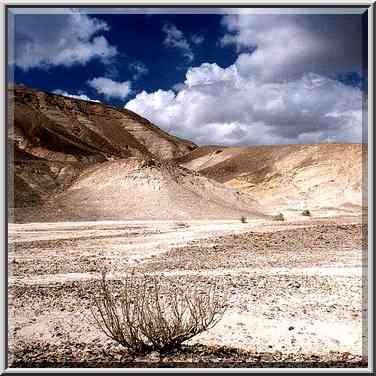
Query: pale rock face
[329, 178]
[53, 138]
[133, 188]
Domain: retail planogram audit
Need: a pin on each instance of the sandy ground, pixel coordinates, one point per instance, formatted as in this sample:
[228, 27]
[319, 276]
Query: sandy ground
[293, 287]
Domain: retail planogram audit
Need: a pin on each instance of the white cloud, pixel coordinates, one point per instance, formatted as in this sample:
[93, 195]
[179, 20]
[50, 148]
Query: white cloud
[139, 69]
[175, 39]
[280, 89]
[285, 46]
[110, 88]
[208, 74]
[60, 39]
[75, 96]
[197, 39]
[218, 105]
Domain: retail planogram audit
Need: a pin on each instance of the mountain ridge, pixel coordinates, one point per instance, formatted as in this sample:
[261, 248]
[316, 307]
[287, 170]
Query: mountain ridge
[62, 152]
[52, 139]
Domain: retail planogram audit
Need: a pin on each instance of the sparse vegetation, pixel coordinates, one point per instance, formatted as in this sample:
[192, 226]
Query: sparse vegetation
[306, 213]
[243, 219]
[181, 224]
[279, 217]
[148, 315]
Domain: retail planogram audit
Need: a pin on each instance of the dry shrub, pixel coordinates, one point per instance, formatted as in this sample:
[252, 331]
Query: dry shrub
[181, 225]
[143, 319]
[306, 213]
[279, 217]
[148, 163]
[243, 219]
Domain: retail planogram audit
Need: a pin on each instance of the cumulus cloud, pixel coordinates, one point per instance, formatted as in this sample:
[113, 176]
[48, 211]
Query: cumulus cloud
[110, 88]
[175, 39]
[75, 96]
[285, 46]
[280, 89]
[218, 105]
[50, 40]
[139, 69]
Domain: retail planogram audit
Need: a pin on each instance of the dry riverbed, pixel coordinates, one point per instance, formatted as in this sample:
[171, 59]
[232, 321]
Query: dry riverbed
[295, 290]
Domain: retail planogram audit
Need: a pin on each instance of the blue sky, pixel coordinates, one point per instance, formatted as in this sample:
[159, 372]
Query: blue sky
[234, 79]
[139, 40]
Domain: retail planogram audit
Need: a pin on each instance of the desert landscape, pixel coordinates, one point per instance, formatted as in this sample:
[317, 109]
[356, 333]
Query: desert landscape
[282, 229]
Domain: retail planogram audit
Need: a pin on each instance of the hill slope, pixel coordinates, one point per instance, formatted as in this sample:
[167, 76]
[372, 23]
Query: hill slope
[59, 128]
[324, 177]
[137, 189]
[74, 159]
[52, 139]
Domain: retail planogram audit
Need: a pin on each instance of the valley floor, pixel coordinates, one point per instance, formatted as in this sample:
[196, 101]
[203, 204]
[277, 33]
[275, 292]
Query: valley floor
[297, 289]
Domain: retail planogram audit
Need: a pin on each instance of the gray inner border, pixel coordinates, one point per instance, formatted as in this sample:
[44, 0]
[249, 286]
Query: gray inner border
[7, 193]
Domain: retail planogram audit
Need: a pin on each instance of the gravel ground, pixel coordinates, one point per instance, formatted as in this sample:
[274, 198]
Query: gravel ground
[294, 291]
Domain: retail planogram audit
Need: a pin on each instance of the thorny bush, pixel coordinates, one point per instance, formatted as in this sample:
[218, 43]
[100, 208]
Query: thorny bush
[143, 317]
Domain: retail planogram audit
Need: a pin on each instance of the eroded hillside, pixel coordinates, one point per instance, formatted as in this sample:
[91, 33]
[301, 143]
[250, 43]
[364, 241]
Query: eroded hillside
[84, 160]
[52, 139]
[134, 188]
[324, 177]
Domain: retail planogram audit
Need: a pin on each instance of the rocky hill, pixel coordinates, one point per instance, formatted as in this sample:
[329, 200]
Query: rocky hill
[326, 178]
[59, 128]
[71, 159]
[52, 139]
[138, 189]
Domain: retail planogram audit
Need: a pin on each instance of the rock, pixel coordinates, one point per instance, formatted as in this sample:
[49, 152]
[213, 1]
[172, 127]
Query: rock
[294, 284]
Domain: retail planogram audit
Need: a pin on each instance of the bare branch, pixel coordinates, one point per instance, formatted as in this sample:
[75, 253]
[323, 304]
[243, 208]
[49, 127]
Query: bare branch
[154, 316]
